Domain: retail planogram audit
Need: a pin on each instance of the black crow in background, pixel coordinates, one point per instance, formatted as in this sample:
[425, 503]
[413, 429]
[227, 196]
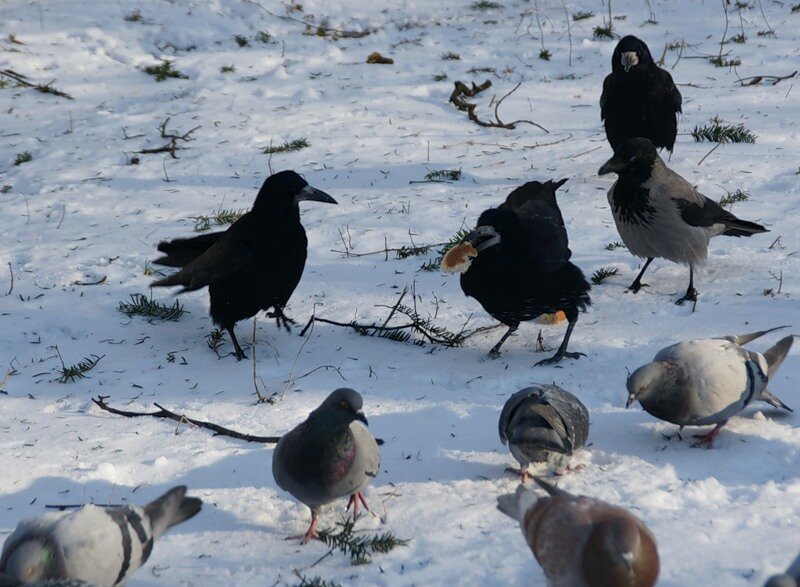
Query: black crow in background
[255, 264]
[639, 98]
[521, 266]
[660, 214]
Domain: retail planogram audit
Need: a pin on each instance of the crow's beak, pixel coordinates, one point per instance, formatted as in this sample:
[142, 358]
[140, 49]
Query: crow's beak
[360, 416]
[629, 59]
[309, 194]
[631, 399]
[482, 238]
[614, 165]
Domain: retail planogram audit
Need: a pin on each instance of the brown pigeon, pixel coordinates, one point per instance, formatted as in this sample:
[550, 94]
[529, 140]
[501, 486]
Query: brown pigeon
[583, 542]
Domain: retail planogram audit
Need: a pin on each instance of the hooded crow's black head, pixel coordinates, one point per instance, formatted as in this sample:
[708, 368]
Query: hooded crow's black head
[288, 188]
[634, 157]
[631, 54]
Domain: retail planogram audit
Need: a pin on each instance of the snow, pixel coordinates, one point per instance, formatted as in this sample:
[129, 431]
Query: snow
[78, 212]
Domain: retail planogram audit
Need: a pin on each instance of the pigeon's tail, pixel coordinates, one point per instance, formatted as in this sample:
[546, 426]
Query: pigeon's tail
[549, 487]
[170, 509]
[773, 400]
[777, 354]
[737, 227]
[516, 504]
[743, 339]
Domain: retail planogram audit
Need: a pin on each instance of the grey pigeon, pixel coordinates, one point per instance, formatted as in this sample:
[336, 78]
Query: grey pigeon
[541, 422]
[96, 545]
[791, 578]
[659, 214]
[328, 456]
[702, 382]
[581, 541]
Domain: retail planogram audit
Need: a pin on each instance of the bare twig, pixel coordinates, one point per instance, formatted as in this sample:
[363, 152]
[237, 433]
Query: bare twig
[11, 271]
[772, 79]
[162, 412]
[172, 145]
[462, 90]
[569, 30]
[261, 398]
[709, 153]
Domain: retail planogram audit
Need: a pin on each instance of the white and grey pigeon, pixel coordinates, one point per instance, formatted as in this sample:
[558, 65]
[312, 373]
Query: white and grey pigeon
[542, 423]
[707, 381]
[791, 578]
[328, 456]
[96, 545]
[660, 214]
[581, 541]
[9, 581]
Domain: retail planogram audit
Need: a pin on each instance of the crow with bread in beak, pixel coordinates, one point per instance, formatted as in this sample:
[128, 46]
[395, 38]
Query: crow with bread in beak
[516, 263]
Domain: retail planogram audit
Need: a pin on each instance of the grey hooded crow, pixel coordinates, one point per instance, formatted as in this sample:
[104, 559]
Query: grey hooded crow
[659, 214]
[254, 265]
[518, 263]
[639, 98]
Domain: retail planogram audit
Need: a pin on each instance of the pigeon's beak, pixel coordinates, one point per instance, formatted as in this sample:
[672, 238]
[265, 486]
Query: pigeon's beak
[482, 238]
[631, 399]
[614, 165]
[360, 416]
[309, 194]
[629, 59]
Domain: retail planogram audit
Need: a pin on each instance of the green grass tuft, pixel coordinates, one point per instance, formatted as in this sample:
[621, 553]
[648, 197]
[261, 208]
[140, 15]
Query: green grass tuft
[23, 157]
[440, 77]
[163, 71]
[604, 31]
[582, 15]
[443, 174]
[545, 55]
[485, 5]
[241, 40]
[734, 197]
[227, 69]
[450, 56]
[614, 246]
[720, 61]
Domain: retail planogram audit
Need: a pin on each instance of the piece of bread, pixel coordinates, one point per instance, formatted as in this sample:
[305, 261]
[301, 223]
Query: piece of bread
[459, 258]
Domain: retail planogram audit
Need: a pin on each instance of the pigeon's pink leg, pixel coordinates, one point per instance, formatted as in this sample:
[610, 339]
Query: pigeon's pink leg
[522, 473]
[707, 440]
[310, 534]
[354, 499]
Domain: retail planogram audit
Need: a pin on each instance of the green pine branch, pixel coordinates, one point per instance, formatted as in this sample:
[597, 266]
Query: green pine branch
[140, 305]
[361, 546]
[716, 132]
[79, 370]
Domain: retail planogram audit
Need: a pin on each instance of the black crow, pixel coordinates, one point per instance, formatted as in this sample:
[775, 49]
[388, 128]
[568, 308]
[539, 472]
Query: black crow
[519, 267]
[639, 98]
[660, 214]
[255, 264]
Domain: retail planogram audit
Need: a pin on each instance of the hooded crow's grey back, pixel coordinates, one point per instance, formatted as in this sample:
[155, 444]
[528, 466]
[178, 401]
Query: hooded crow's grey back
[707, 381]
[254, 265]
[660, 215]
[639, 98]
[522, 269]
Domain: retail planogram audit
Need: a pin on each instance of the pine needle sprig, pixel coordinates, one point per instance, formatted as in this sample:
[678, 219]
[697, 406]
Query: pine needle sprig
[314, 581]
[604, 273]
[412, 251]
[79, 370]
[140, 305]
[443, 175]
[359, 547]
[717, 132]
[452, 242]
[220, 217]
[433, 332]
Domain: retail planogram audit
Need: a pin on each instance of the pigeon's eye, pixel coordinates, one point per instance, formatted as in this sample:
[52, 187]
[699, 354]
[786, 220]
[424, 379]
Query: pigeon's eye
[343, 403]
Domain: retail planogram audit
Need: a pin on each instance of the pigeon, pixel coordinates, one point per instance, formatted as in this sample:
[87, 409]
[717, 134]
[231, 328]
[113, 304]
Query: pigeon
[707, 381]
[521, 267]
[9, 581]
[581, 541]
[791, 578]
[96, 545]
[328, 456]
[660, 214]
[542, 422]
[639, 98]
[254, 265]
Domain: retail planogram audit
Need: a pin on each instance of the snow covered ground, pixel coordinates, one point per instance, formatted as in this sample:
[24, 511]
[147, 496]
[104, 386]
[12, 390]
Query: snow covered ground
[79, 213]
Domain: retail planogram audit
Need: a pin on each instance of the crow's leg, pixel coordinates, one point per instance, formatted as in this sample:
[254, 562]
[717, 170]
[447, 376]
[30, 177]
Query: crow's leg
[691, 292]
[239, 352]
[495, 352]
[637, 283]
[562, 350]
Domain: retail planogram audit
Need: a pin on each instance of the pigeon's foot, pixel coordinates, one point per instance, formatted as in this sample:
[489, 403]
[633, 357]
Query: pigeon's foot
[354, 499]
[311, 534]
[558, 356]
[690, 296]
[523, 474]
[566, 470]
[707, 440]
[636, 286]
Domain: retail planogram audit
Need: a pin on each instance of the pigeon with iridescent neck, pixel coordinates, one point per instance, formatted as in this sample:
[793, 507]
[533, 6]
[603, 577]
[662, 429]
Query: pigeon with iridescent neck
[328, 456]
